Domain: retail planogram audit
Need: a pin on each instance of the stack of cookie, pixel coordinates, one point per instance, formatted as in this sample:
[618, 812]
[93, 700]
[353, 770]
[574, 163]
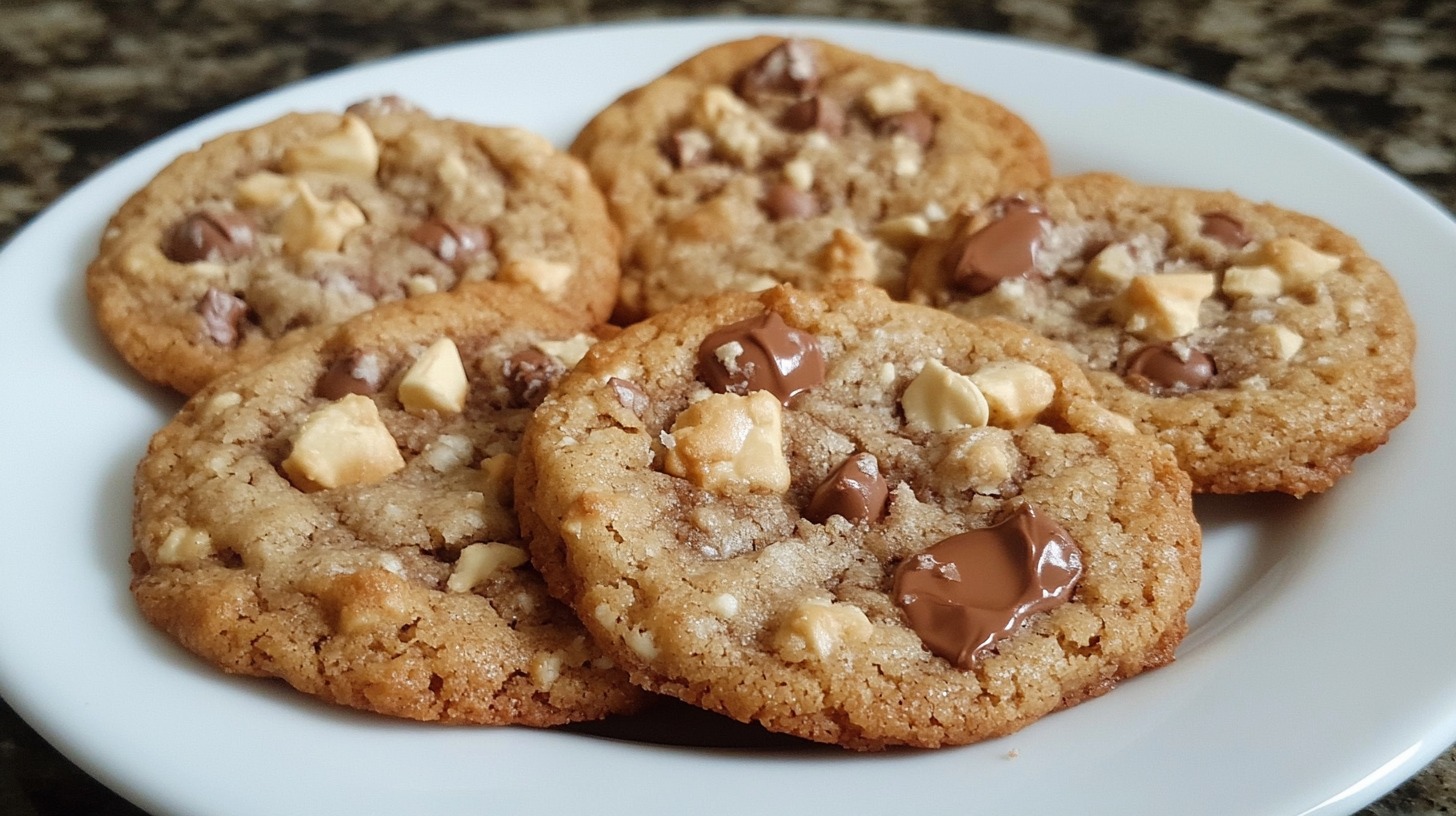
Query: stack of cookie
[894, 441]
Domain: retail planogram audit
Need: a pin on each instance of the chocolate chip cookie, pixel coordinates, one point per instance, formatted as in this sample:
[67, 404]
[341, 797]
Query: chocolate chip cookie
[1263, 345]
[313, 218]
[771, 159]
[339, 516]
[858, 521]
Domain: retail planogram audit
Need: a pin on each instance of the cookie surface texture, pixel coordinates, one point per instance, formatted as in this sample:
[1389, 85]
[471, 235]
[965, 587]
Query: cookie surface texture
[798, 161]
[755, 550]
[339, 517]
[1266, 347]
[313, 218]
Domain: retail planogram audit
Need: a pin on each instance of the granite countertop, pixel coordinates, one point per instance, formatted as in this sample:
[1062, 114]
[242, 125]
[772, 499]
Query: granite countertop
[84, 81]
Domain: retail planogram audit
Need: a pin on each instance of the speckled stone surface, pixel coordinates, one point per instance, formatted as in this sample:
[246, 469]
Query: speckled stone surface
[81, 83]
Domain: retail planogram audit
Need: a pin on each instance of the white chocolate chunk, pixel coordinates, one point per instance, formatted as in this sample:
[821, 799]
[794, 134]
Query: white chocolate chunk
[1111, 269]
[1015, 392]
[734, 128]
[498, 474]
[265, 190]
[724, 605]
[436, 381]
[1163, 307]
[478, 562]
[799, 173]
[349, 150]
[548, 277]
[940, 399]
[568, 351]
[183, 545]
[890, 98]
[1252, 282]
[342, 443]
[1283, 341]
[313, 224]
[903, 231]
[728, 443]
[817, 628]
[546, 669]
[1299, 265]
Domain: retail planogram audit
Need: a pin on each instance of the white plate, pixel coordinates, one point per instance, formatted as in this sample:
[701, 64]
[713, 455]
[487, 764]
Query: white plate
[1319, 671]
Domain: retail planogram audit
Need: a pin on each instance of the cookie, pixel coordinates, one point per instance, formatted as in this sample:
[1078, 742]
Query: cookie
[339, 516]
[313, 218]
[857, 521]
[771, 160]
[1263, 345]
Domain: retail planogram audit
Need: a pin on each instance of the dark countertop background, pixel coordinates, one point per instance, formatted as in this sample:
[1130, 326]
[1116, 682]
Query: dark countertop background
[84, 81]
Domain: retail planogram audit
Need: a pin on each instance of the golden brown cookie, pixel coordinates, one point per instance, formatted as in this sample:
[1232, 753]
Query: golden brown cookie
[1263, 345]
[857, 521]
[339, 516]
[770, 160]
[313, 218]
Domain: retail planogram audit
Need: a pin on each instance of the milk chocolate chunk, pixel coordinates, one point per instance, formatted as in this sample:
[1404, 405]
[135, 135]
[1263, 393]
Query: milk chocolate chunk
[1161, 367]
[357, 372]
[815, 113]
[970, 591]
[1225, 229]
[211, 235]
[451, 242]
[530, 374]
[917, 126]
[1003, 249]
[629, 395]
[761, 353]
[785, 202]
[790, 68]
[221, 313]
[855, 490]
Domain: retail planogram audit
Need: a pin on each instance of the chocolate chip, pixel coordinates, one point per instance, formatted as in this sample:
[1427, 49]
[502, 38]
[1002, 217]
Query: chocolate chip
[761, 353]
[357, 372]
[790, 68]
[455, 244]
[855, 490]
[629, 395]
[966, 593]
[1225, 229]
[530, 375]
[221, 313]
[917, 126]
[688, 147]
[815, 113]
[1005, 248]
[211, 235]
[784, 201]
[1161, 367]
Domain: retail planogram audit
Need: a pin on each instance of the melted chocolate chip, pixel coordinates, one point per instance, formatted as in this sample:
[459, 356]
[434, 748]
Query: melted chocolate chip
[451, 242]
[1161, 367]
[1005, 248]
[785, 202]
[530, 375]
[211, 235]
[629, 395]
[815, 113]
[1225, 229]
[917, 126]
[855, 490]
[790, 68]
[971, 590]
[761, 353]
[357, 372]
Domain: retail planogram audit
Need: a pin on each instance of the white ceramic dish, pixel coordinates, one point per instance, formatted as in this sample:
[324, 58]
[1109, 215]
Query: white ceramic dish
[1319, 669]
